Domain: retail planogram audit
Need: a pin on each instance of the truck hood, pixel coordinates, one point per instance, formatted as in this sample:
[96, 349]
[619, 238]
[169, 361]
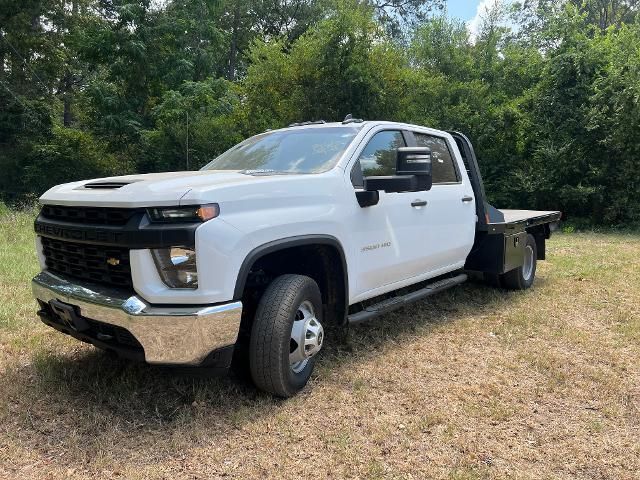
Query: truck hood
[154, 189]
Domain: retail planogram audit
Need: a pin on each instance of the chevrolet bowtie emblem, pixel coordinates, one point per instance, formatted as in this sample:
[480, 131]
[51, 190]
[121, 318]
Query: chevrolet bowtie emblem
[113, 261]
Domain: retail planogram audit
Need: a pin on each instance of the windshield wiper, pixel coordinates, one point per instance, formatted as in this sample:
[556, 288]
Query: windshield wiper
[266, 172]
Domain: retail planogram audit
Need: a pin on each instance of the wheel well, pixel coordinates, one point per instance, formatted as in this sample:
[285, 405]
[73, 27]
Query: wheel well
[324, 263]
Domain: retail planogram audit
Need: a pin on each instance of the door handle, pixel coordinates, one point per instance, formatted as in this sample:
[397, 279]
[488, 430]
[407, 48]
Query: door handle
[419, 203]
[467, 199]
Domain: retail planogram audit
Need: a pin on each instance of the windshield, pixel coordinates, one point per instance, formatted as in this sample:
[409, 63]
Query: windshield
[305, 150]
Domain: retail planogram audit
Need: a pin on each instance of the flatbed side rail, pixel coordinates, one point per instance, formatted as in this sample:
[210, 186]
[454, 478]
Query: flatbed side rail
[524, 220]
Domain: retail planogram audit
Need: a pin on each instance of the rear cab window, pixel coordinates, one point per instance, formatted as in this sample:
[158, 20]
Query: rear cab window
[443, 164]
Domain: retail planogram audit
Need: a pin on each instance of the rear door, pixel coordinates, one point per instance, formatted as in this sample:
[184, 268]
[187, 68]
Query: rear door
[450, 216]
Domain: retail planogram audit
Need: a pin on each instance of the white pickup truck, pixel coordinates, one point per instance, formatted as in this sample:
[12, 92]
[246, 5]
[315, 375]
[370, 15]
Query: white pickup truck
[245, 261]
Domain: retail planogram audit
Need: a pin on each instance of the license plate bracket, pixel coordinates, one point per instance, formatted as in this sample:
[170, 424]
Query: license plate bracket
[69, 315]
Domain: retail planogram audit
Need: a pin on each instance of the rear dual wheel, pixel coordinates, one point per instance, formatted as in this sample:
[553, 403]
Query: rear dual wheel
[522, 277]
[286, 335]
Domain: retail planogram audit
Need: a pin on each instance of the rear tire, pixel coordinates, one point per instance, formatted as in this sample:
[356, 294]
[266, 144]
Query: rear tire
[288, 299]
[522, 277]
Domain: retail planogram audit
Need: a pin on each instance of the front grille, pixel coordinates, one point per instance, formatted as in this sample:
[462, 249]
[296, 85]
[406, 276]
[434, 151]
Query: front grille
[97, 263]
[88, 215]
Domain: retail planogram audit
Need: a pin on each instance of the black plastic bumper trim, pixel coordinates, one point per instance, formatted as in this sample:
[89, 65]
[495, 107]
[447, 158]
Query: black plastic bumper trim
[123, 352]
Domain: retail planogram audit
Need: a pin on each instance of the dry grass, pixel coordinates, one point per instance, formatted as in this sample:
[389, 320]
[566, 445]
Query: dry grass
[473, 384]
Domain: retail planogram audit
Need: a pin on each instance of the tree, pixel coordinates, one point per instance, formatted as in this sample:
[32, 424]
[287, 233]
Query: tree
[342, 65]
[91, 87]
[607, 13]
[199, 117]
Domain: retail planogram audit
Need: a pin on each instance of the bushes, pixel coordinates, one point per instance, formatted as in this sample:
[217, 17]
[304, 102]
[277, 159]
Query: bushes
[68, 155]
[555, 127]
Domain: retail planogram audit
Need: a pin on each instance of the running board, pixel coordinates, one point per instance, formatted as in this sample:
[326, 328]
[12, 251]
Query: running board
[395, 303]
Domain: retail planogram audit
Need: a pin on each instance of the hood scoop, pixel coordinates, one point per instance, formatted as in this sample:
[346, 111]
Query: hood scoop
[105, 185]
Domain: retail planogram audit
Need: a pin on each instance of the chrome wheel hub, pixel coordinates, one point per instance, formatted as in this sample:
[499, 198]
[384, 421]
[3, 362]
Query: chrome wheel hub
[307, 336]
[527, 268]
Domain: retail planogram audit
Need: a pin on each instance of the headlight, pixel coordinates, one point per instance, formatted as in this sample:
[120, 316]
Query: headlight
[176, 266]
[194, 213]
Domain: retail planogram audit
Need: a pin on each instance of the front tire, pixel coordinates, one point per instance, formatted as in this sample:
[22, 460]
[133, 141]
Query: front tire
[522, 277]
[286, 335]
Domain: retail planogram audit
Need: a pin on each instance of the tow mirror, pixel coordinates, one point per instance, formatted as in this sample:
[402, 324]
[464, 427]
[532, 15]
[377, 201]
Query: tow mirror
[413, 172]
[414, 161]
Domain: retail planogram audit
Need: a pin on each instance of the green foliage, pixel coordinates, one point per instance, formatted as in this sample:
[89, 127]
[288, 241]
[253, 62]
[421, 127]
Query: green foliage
[344, 64]
[443, 46]
[89, 88]
[68, 154]
[200, 113]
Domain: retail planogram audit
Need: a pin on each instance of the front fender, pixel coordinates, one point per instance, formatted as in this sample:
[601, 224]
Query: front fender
[284, 243]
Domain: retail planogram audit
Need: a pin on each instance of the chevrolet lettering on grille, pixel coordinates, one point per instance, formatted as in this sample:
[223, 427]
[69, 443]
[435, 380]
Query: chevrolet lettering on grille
[92, 235]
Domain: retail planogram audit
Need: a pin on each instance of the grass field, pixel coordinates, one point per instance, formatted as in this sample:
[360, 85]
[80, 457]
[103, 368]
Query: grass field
[475, 383]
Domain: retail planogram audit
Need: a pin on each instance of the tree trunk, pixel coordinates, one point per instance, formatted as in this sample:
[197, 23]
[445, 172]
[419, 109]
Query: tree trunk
[233, 48]
[67, 79]
[67, 86]
[1, 55]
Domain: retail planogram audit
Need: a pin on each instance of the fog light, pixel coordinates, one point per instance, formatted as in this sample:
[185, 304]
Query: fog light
[176, 266]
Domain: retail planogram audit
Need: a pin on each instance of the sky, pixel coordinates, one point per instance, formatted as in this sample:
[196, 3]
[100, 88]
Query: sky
[471, 11]
[462, 9]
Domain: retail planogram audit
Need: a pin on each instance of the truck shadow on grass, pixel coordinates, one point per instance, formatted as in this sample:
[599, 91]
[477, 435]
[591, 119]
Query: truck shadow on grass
[87, 401]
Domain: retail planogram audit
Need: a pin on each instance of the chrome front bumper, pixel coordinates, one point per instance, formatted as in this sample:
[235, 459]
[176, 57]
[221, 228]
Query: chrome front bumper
[168, 335]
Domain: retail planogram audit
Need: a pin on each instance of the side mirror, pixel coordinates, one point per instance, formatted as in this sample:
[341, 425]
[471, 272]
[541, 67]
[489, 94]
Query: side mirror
[413, 172]
[413, 161]
[416, 161]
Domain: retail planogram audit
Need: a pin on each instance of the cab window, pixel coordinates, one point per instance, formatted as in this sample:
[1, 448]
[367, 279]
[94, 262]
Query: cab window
[442, 162]
[378, 157]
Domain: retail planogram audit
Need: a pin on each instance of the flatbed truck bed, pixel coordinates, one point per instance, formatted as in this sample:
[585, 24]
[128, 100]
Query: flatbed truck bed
[520, 220]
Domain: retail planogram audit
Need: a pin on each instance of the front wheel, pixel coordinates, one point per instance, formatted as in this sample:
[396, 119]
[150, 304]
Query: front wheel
[286, 335]
[522, 277]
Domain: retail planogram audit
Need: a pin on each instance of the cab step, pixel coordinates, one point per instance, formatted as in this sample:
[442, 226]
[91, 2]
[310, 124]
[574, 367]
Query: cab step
[394, 303]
